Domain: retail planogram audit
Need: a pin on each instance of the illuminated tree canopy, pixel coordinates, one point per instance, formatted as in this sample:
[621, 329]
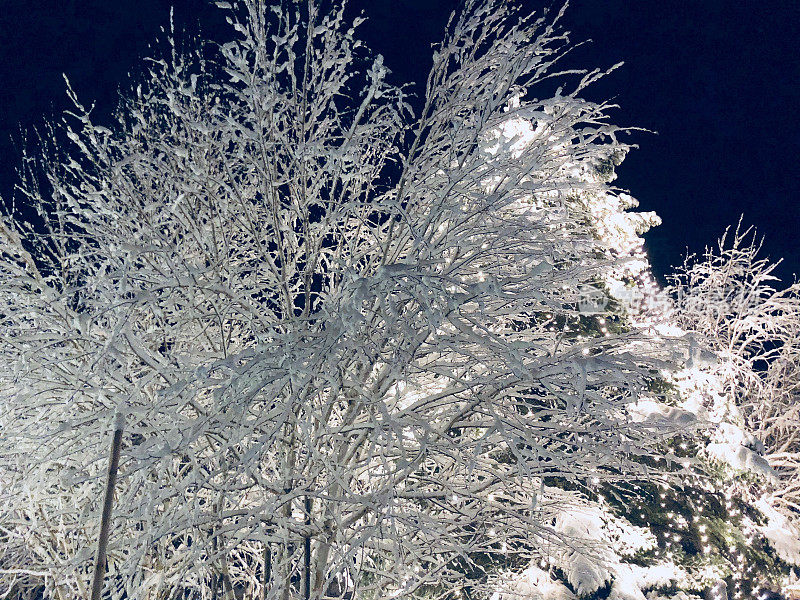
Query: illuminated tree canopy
[354, 351]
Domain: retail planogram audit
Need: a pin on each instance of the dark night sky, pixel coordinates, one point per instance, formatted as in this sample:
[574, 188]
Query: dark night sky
[719, 80]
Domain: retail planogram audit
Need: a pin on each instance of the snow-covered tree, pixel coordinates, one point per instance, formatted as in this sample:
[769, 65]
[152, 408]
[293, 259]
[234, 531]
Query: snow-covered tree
[353, 348]
[729, 299]
[731, 302]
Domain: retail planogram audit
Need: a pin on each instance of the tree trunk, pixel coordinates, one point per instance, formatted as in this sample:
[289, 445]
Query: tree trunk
[105, 521]
[265, 576]
[307, 552]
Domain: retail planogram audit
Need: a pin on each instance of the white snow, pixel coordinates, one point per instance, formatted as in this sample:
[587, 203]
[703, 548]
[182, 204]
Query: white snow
[533, 584]
[649, 410]
[734, 448]
[783, 534]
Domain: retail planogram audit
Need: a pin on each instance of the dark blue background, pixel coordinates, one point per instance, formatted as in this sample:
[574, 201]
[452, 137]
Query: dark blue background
[718, 80]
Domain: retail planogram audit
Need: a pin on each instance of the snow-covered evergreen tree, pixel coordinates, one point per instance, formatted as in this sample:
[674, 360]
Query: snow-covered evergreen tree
[725, 525]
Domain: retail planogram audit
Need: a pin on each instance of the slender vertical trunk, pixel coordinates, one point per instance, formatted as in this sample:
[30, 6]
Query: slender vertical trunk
[324, 547]
[105, 521]
[216, 577]
[288, 487]
[319, 573]
[220, 547]
[307, 549]
[227, 585]
[265, 576]
[286, 553]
